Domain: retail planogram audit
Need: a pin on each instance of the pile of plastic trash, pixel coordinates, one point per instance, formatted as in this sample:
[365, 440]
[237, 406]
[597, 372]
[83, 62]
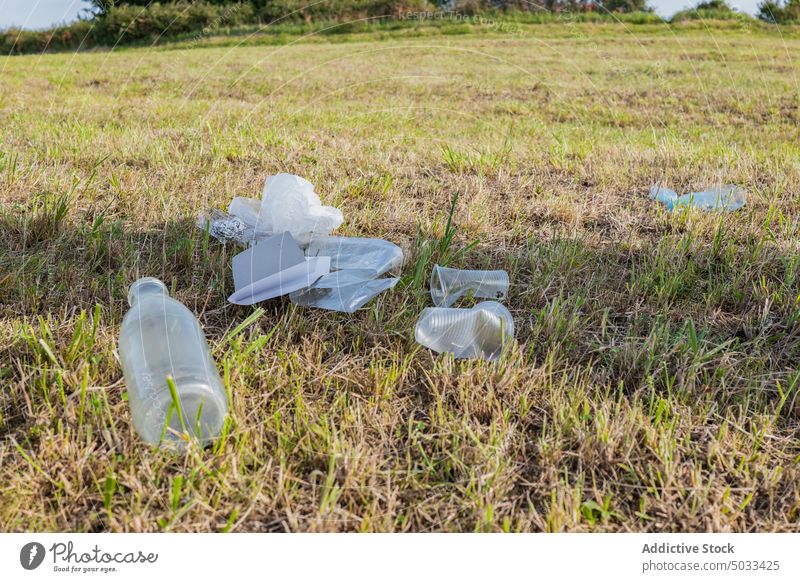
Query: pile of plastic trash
[334, 272]
[291, 252]
[479, 332]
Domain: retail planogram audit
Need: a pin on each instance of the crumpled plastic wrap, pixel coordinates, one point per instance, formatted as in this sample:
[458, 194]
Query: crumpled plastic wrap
[356, 264]
[248, 210]
[341, 291]
[372, 256]
[225, 227]
[288, 204]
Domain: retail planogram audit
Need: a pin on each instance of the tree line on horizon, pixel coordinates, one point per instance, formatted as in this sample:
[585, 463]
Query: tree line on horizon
[395, 6]
[774, 11]
[112, 23]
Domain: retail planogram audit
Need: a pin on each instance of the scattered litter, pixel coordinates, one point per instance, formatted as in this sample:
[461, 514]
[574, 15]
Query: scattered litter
[288, 204]
[275, 266]
[448, 285]
[727, 198]
[161, 338]
[356, 264]
[479, 332]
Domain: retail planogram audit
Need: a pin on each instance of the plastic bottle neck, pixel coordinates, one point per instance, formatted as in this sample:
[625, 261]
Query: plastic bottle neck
[145, 287]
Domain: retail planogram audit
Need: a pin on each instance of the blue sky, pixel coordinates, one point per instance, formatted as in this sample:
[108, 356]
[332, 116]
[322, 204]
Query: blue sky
[43, 13]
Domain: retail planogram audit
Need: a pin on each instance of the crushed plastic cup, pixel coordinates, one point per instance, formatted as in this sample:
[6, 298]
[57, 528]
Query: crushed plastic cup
[448, 285]
[479, 332]
[728, 198]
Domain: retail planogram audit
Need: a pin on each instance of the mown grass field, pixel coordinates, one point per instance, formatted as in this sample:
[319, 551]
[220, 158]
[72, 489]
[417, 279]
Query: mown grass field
[654, 382]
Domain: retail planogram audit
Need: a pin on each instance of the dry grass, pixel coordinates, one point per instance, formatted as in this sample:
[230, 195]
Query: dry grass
[654, 385]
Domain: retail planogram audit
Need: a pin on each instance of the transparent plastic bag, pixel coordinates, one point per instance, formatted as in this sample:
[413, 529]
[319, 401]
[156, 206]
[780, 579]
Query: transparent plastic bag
[371, 256]
[344, 291]
[356, 264]
[275, 266]
[249, 211]
[480, 332]
[289, 204]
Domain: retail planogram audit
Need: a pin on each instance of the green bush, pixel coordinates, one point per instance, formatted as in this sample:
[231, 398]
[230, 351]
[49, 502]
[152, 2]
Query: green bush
[626, 6]
[138, 21]
[709, 10]
[551, 6]
[337, 10]
[129, 24]
[780, 12]
[65, 37]
[122, 24]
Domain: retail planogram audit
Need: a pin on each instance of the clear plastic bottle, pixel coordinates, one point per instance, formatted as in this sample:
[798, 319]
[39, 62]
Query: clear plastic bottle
[728, 198]
[480, 332]
[160, 337]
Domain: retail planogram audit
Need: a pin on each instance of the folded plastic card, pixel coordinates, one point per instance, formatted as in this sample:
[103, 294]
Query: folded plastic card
[276, 266]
